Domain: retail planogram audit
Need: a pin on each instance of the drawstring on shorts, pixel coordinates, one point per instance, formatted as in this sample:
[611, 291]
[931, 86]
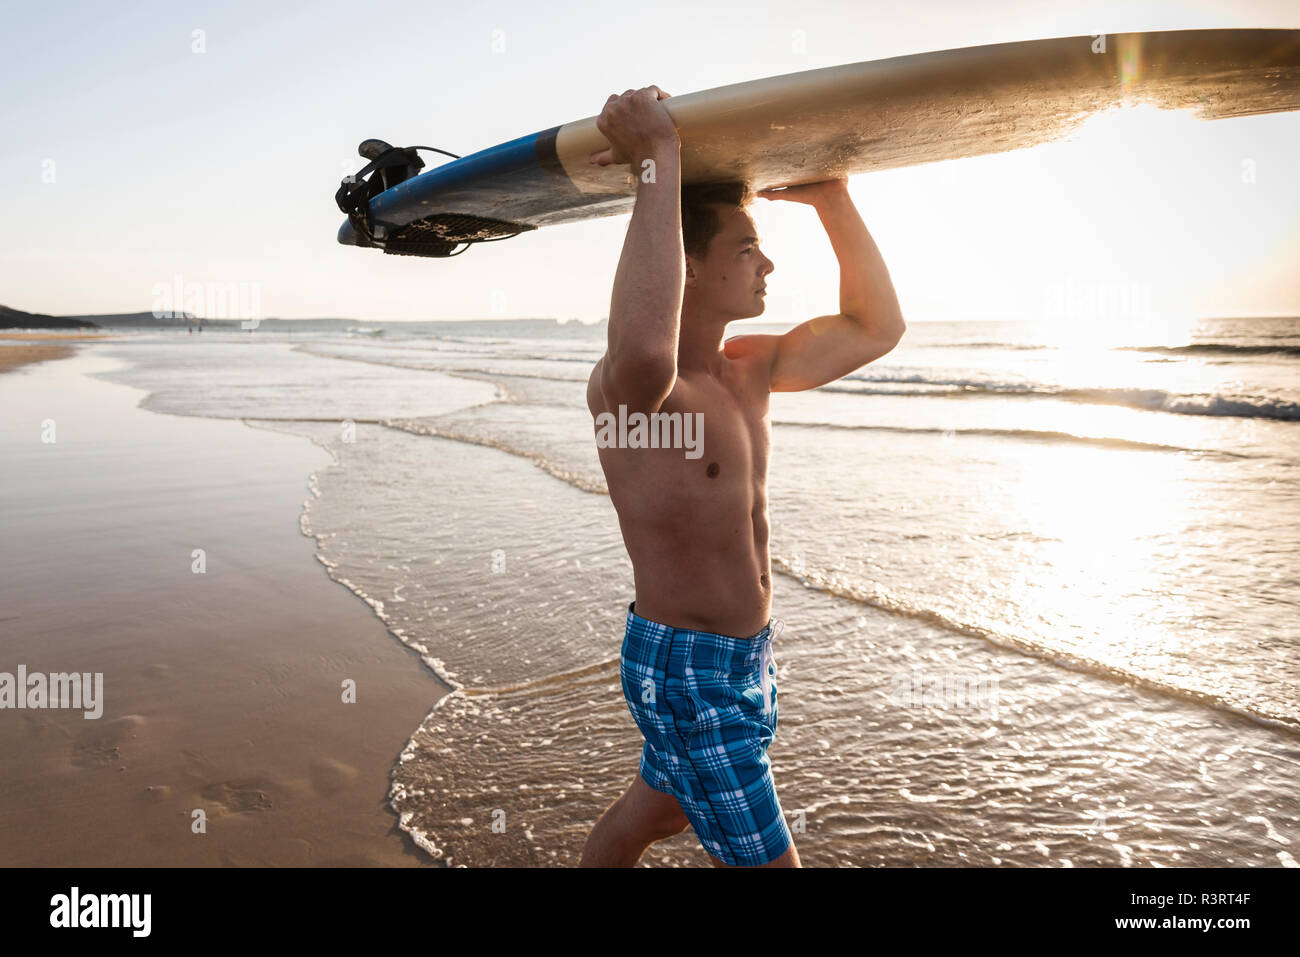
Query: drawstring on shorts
[772, 632]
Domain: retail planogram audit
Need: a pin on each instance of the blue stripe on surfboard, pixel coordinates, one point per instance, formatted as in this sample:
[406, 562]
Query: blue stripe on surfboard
[514, 182]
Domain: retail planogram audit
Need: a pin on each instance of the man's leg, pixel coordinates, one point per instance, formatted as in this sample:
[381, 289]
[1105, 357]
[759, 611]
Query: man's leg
[631, 824]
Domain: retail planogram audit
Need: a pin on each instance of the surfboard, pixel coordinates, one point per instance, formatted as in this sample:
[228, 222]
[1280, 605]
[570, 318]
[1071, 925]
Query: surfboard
[844, 120]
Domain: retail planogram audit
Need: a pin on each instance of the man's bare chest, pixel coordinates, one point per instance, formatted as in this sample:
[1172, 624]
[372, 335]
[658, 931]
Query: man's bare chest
[734, 430]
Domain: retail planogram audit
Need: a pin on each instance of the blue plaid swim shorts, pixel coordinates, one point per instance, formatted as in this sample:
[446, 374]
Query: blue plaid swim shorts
[707, 707]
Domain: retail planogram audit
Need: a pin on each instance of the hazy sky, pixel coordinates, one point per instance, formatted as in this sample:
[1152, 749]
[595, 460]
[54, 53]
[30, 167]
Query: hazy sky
[220, 167]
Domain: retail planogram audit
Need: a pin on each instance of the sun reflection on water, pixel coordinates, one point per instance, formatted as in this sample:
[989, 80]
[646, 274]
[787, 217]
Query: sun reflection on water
[1103, 525]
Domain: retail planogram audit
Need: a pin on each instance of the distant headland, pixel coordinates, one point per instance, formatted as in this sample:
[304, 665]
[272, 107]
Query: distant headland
[17, 319]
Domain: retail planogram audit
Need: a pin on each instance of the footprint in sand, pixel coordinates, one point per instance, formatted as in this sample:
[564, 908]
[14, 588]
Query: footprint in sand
[233, 797]
[100, 745]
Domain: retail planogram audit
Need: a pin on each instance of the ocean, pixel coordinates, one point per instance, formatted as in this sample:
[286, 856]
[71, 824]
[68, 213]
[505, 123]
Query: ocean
[1038, 588]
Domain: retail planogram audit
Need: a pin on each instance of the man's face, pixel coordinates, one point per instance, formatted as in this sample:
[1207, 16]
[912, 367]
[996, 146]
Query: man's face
[731, 278]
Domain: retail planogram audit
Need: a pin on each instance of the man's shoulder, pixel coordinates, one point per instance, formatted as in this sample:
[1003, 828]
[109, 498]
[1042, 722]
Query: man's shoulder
[750, 345]
[755, 352]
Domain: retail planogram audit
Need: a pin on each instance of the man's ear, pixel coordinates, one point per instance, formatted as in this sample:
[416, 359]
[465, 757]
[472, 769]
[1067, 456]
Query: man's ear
[690, 272]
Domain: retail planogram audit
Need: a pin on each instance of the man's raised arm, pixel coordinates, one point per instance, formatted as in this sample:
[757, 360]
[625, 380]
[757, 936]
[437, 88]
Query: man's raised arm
[869, 323]
[639, 368]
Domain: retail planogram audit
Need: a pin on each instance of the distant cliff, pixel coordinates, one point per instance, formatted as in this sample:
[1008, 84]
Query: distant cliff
[17, 319]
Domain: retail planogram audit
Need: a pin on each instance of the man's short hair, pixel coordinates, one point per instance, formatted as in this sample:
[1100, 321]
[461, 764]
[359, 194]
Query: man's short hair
[700, 219]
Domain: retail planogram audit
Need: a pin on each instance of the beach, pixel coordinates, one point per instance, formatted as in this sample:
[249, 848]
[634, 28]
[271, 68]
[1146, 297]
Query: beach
[1037, 601]
[22, 348]
[222, 689]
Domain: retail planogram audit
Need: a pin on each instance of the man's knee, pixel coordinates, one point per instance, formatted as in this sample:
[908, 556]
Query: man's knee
[651, 815]
[657, 824]
[673, 828]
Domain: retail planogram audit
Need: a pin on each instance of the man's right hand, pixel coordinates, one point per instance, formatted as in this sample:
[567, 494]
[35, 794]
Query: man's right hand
[635, 124]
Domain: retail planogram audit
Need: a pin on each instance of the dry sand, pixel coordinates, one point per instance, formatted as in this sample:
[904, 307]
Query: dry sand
[11, 357]
[222, 690]
[37, 334]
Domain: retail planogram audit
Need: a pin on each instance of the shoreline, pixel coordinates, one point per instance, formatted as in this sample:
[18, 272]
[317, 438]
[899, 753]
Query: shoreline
[223, 689]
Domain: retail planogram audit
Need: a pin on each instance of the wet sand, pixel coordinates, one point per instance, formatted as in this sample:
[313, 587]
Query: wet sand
[222, 689]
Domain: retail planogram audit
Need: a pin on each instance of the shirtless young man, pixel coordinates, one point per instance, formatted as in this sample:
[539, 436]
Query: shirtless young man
[695, 660]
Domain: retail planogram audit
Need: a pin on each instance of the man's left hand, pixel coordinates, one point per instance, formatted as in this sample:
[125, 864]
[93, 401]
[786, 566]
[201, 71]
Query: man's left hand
[809, 193]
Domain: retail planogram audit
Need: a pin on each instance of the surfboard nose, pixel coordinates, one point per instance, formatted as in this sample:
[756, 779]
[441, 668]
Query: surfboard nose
[347, 235]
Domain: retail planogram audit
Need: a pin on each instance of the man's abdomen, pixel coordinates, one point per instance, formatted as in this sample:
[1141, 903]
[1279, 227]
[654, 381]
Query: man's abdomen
[703, 583]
